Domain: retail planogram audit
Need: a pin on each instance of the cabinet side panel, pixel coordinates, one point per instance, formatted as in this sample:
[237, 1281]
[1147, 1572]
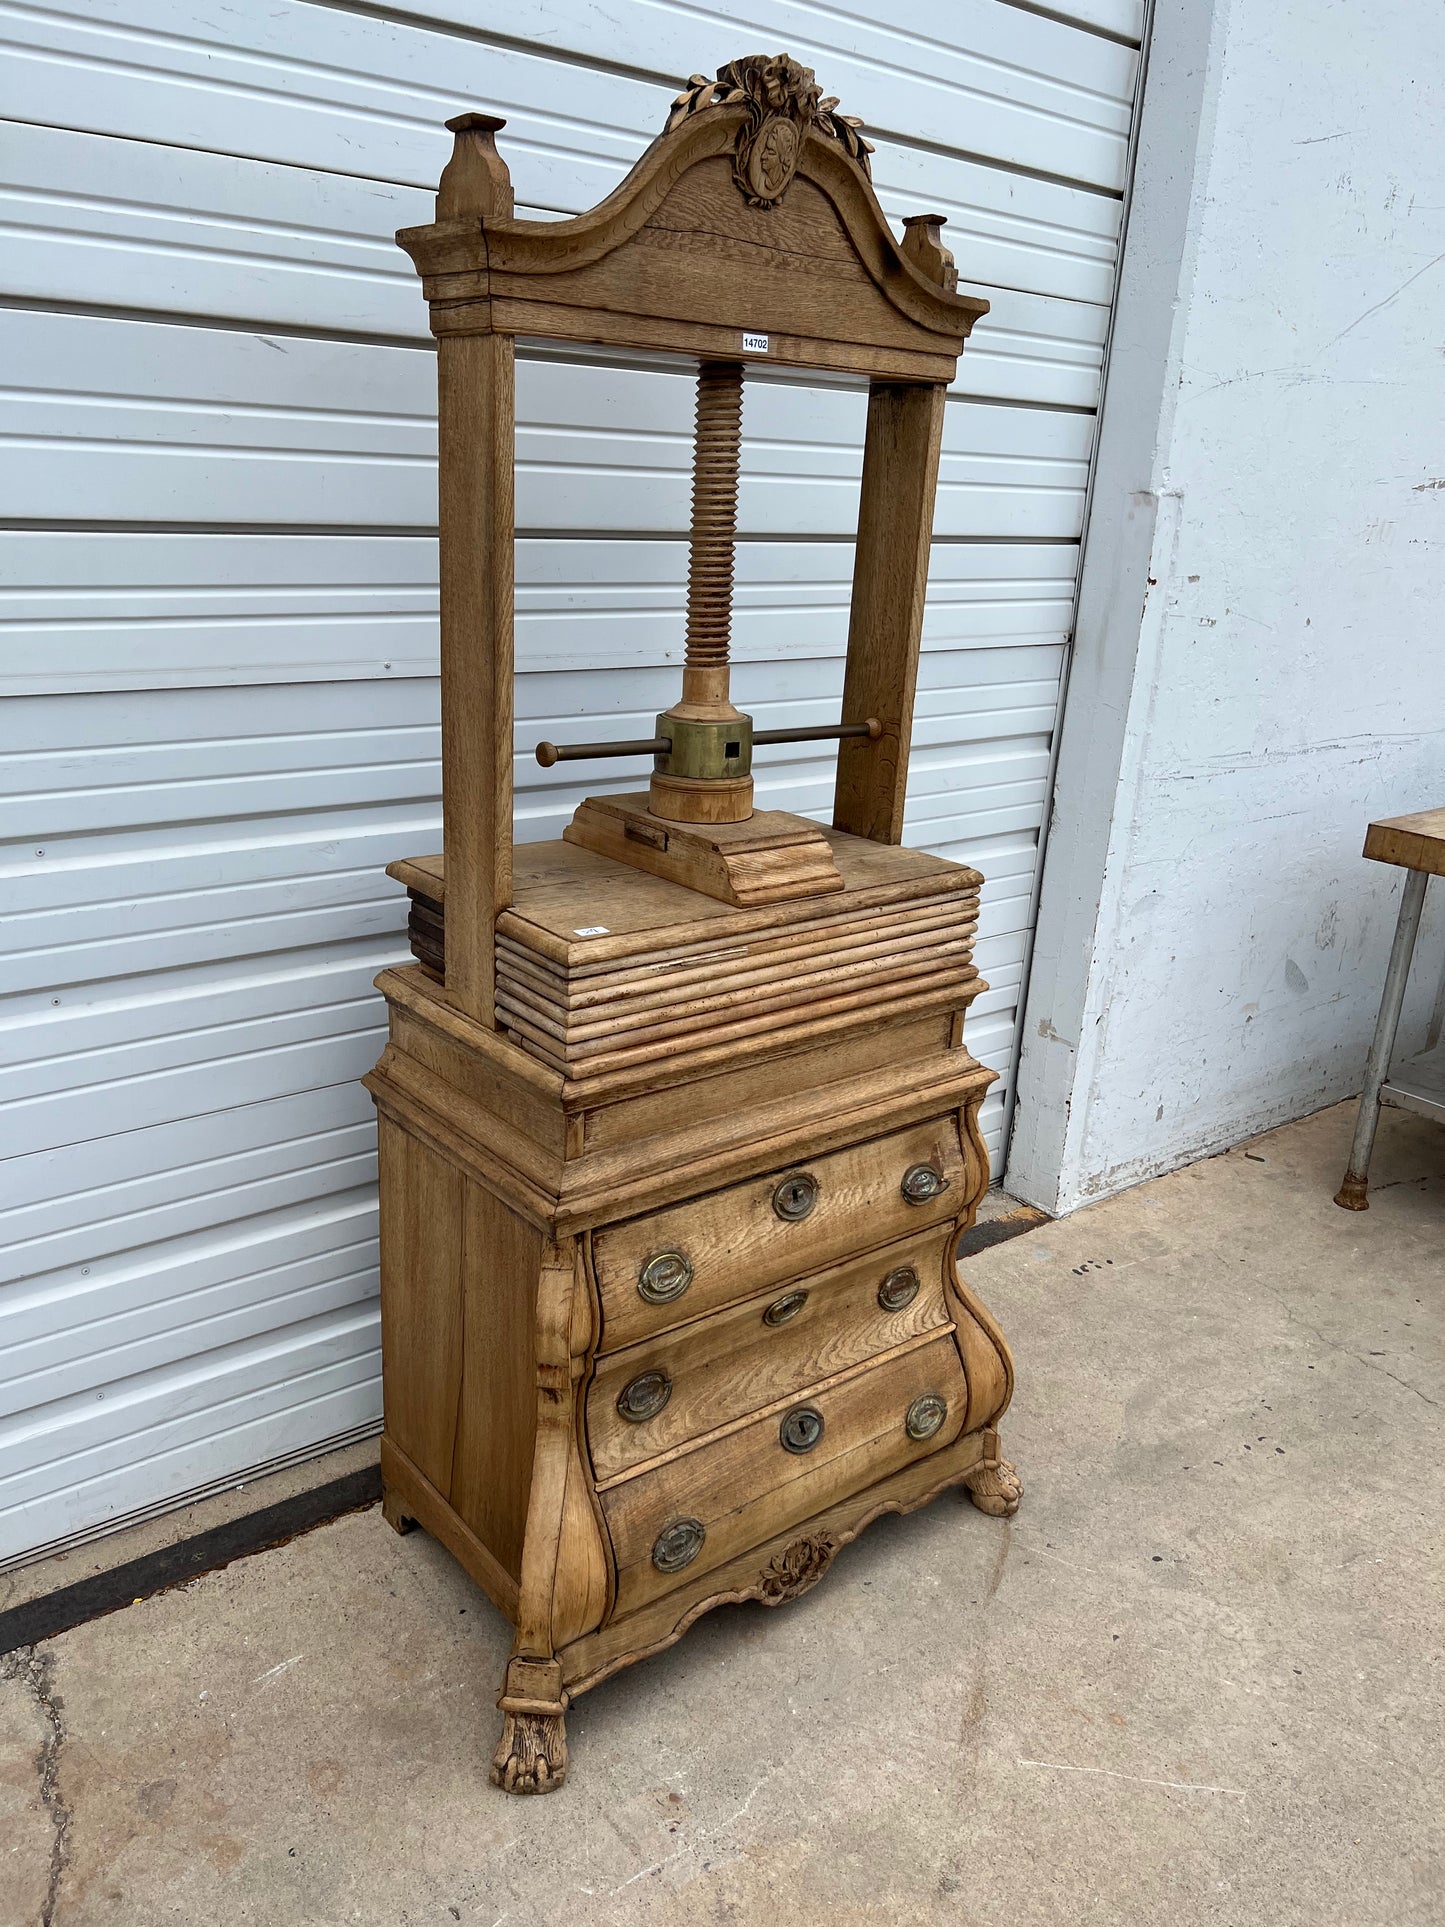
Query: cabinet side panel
[491, 1472]
[421, 1300]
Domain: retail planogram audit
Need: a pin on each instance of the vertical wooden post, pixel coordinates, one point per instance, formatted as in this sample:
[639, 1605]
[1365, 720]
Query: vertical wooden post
[476, 406]
[475, 393]
[890, 574]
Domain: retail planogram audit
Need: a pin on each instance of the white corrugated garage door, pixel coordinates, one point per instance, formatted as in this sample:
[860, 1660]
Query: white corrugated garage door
[217, 502]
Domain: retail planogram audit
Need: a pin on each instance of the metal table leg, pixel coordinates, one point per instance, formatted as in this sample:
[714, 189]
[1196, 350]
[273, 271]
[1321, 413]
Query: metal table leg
[1351, 1194]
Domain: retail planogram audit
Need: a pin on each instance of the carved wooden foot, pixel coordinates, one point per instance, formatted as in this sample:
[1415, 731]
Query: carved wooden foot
[531, 1755]
[392, 1511]
[995, 1488]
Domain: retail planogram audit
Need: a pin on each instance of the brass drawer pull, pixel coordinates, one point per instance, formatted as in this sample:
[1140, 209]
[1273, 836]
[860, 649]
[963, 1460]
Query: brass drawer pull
[898, 1289]
[678, 1545]
[922, 1183]
[795, 1196]
[643, 1397]
[926, 1415]
[801, 1428]
[786, 1308]
[665, 1276]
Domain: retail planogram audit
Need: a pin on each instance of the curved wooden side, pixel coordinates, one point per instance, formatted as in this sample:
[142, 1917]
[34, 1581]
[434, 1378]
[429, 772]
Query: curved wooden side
[987, 1361]
[566, 1570]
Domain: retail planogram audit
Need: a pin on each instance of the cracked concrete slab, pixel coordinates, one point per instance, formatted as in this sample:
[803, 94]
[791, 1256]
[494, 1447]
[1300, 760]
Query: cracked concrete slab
[28, 1828]
[1196, 1680]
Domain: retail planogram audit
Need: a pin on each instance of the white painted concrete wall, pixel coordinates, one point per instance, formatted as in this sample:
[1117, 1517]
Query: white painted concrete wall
[1271, 494]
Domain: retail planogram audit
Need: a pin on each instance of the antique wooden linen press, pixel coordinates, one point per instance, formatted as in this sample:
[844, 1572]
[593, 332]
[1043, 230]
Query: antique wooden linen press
[678, 1129]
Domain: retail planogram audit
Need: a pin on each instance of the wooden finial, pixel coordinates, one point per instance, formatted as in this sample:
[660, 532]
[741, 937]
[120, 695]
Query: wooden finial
[475, 180]
[923, 246]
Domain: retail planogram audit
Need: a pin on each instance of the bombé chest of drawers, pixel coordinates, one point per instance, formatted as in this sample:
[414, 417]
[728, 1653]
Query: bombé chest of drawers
[665, 1336]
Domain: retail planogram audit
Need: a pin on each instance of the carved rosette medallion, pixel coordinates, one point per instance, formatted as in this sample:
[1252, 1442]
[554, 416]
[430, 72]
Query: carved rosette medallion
[783, 101]
[796, 1568]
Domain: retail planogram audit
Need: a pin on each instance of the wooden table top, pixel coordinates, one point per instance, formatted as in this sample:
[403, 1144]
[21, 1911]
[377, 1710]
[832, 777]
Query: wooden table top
[1414, 842]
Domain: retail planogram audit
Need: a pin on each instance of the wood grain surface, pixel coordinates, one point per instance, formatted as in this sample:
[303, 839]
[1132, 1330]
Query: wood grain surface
[1416, 842]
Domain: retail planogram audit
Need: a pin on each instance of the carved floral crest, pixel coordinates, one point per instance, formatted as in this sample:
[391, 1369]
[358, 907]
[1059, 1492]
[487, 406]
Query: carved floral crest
[797, 1567]
[783, 101]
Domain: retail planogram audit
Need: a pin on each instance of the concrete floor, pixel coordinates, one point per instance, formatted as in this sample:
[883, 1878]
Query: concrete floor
[1198, 1679]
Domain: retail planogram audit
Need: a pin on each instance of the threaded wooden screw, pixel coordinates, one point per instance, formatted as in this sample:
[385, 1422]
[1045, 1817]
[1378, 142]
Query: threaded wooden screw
[714, 527]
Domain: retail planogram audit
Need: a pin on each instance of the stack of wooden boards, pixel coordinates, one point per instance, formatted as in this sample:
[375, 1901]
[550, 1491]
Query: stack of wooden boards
[604, 969]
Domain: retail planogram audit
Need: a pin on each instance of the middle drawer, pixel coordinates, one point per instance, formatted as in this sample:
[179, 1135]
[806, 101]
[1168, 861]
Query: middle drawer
[689, 1380]
[670, 1266]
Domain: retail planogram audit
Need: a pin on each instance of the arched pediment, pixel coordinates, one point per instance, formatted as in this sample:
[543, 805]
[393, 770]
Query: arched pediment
[753, 214]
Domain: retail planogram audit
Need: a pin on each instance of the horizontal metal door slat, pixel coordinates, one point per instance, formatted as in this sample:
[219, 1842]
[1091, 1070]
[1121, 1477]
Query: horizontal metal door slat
[82, 1425]
[142, 224]
[76, 1204]
[177, 1282]
[294, 1293]
[182, 1020]
[1032, 92]
[99, 612]
[1023, 84]
[244, 1077]
[186, 1285]
[161, 882]
[312, 433]
[80, 1460]
[220, 939]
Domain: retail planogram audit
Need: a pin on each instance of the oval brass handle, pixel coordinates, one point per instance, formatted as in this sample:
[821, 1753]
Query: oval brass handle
[665, 1276]
[921, 1182]
[795, 1196]
[678, 1545]
[898, 1289]
[643, 1397]
[801, 1428]
[784, 1309]
[925, 1415]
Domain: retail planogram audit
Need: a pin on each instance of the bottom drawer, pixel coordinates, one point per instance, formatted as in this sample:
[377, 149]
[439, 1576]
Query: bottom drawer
[713, 1501]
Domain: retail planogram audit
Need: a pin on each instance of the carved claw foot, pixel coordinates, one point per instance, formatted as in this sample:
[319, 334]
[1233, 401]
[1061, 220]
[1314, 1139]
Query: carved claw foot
[393, 1512]
[995, 1489]
[531, 1755]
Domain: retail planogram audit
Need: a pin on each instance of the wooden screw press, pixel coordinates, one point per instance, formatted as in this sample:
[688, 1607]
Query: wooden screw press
[678, 1128]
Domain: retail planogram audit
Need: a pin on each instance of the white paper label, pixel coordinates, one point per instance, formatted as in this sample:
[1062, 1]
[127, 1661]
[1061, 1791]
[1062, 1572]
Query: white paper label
[593, 930]
[755, 344]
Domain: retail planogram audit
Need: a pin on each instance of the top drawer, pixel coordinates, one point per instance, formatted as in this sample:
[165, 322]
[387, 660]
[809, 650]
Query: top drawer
[657, 1271]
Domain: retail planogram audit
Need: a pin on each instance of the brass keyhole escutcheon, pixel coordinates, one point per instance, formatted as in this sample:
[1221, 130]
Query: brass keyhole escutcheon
[783, 1310]
[926, 1415]
[801, 1428]
[665, 1276]
[678, 1545]
[898, 1289]
[795, 1196]
[921, 1182]
[643, 1397]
